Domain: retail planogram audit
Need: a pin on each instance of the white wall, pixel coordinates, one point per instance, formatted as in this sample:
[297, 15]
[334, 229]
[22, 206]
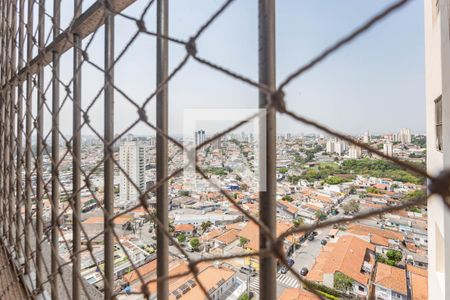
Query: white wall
[386, 294]
[437, 61]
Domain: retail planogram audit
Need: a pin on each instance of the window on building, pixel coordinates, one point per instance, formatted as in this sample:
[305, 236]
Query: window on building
[438, 122]
[361, 288]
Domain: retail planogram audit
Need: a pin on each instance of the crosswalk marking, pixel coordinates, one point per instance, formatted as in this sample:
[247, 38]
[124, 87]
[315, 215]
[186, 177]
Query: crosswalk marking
[254, 283]
[283, 279]
[287, 280]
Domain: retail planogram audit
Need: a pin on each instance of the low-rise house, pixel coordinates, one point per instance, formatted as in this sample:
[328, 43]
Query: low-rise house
[216, 219]
[400, 224]
[417, 259]
[393, 237]
[206, 206]
[226, 239]
[389, 283]
[308, 213]
[287, 209]
[351, 256]
[419, 237]
[186, 229]
[218, 281]
[417, 282]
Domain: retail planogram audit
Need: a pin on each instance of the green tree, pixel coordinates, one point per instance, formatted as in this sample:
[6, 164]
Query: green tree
[244, 297]
[413, 195]
[181, 238]
[320, 215]
[242, 241]
[394, 255]
[351, 206]
[184, 193]
[342, 282]
[293, 179]
[195, 243]
[283, 170]
[287, 198]
[205, 225]
[298, 222]
[373, 190]
[332, 180]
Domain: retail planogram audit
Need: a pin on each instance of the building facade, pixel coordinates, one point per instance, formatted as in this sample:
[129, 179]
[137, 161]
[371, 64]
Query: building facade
[404, 136]
[132, 160]
[388, 149]
[437, 74]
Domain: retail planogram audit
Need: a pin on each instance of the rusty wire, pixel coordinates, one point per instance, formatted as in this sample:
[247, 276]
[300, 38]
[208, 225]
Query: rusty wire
[15, 194]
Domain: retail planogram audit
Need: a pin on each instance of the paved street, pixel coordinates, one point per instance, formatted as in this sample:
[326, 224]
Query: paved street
[306, 255]
[283, 281]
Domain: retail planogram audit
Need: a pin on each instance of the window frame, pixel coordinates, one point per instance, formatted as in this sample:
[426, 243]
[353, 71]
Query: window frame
[438, 123]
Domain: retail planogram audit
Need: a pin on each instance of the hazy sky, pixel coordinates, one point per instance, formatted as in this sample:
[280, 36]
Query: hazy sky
[376, 83]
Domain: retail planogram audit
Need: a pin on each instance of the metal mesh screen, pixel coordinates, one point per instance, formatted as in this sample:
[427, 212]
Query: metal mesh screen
[33, 95]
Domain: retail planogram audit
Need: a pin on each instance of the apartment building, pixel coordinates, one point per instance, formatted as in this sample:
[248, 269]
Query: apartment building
[404, 136]
[437, 74]
[132, 161]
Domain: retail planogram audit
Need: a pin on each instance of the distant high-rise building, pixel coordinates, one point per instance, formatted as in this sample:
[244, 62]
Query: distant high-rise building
[405, 136]
[330, 146]
[152, 141]
[390, 137]
[251, 138]
[340, 147]
[354, 152]
[217, 143]
[388, 149]
[132, 161]
[200, 137]
[366, 137]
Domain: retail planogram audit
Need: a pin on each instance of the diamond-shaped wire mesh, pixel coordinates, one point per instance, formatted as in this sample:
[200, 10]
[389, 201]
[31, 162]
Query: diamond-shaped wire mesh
[44, 173]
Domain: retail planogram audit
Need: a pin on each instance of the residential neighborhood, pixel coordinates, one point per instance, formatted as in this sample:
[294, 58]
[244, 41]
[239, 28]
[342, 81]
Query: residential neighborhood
[319, 179]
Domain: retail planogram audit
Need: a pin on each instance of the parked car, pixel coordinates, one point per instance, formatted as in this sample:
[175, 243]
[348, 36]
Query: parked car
[248, 270]
[284, 269]
[323, 242]
[314, 233]
[304, 271]
[310, 237]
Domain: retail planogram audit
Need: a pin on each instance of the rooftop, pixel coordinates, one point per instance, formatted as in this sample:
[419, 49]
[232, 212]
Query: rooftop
[347, 256]
[391, 277]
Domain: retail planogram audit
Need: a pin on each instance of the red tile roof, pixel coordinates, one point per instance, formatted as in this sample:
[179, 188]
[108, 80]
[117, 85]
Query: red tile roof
[296, 294]
[347, 256]
[184, 228]
[391, 277]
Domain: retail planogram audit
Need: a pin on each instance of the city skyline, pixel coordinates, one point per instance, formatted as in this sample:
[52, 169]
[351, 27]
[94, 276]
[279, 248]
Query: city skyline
[373, 70]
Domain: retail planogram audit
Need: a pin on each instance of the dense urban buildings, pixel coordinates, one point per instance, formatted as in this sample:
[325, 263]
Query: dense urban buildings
[274, 213]
[318, 178]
